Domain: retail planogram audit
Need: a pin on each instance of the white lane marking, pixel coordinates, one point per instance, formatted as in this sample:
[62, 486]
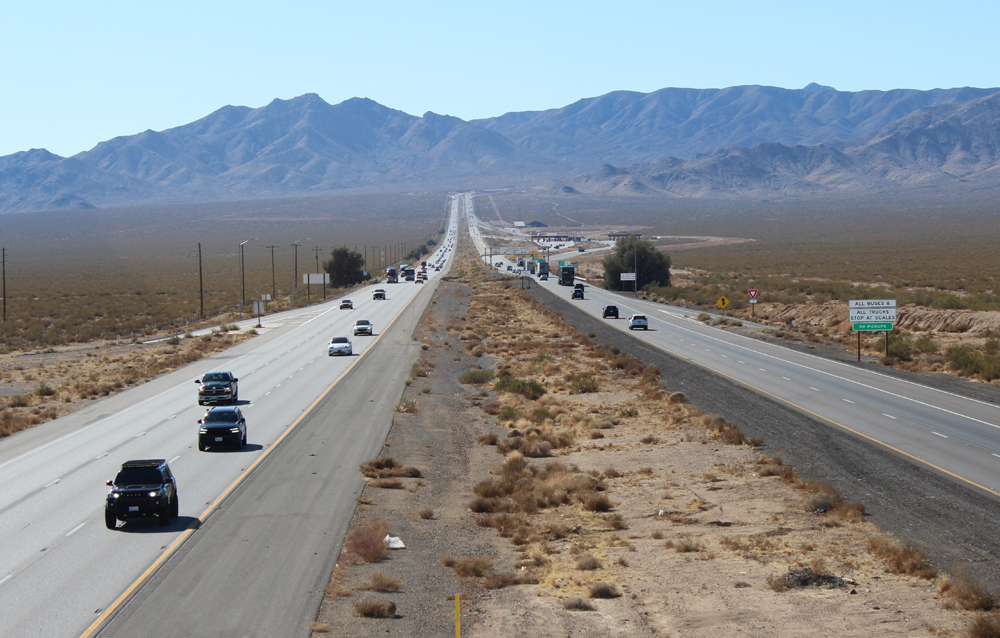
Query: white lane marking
[50, 484]
[290, 376]
[300, 370]
[267, 393]
[100, 456]
[743, 362]
[75, 529]
[996, 455]
[888, 415]
[724, 357]
[885, 377]
[707, 350]
[171, 417]
[278, 386]
[6, 578]
[174, 459]
[812, 388]
[138, 435]
[762, 369]
[848, 401]
[939, 434]
[786, 378]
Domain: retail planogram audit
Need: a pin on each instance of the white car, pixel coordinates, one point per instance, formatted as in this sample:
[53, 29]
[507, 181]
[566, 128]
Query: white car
[638, 321]
[340, 345]
[362, 327]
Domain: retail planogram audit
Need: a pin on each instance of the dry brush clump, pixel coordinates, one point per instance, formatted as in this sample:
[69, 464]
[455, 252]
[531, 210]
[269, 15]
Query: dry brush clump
[387, 467]
[371, 608]
[380, 582]
[968, 594]
[365, 542]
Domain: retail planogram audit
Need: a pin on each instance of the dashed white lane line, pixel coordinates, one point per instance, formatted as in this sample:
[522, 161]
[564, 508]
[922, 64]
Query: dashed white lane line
[51, 483]
[848, 401]
[267, 393]
[724, 357]
[888, 415]
[939, 434]
[741, 361]
[174, 459]
[786, 378]
[762, 369]
[100, 456]
[138, 435]
[75, 529]
[6, 578]
[278, 386]
[812, 388]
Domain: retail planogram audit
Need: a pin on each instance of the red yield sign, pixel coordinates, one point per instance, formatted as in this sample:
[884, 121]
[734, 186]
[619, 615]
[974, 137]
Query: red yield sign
[752, 293]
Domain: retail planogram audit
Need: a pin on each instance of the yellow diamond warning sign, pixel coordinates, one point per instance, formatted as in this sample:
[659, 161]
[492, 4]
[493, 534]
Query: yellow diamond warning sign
[722, 302]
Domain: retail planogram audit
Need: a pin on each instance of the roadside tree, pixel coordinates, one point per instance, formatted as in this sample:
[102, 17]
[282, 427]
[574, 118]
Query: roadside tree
[345, 267]
[653, 266]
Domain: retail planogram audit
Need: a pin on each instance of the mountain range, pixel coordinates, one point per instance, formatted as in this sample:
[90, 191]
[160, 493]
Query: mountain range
[688, 142]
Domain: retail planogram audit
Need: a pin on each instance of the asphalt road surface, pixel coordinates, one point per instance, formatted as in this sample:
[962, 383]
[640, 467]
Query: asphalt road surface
[62, 573]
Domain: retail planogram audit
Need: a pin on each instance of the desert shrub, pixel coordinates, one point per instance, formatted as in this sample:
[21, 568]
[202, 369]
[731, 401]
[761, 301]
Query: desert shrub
[925, 344]
[45, 390]
[587, 562]
[539, 414]
[529, 388]
[426, 514]
[18, 401]
[615, 521]
[387, 484]
[649, 440]
[509, 414]
[577, 604]
[490, 438]
[407, 406]
[365, 543]
[387, 467]
[970, 595]
[627, 412]
[583, 384]
[370, 608]
[476, 376]
[472, 566]
[677, 397]
[380, 582]
[984, 626]
[686, 544]
[601, 589]
[596, 503]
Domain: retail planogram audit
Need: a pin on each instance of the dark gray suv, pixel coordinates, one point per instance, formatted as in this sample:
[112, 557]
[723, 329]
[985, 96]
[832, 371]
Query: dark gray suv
[142, 489]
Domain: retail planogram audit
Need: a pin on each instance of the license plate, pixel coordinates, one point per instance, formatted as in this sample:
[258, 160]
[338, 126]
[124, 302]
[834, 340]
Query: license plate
[218, 438]
[133, 508]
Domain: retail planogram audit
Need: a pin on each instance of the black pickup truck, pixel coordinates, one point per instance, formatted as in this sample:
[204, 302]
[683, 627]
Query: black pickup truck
[218, 387]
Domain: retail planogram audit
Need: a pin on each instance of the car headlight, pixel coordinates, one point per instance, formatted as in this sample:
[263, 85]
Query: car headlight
[203, 431]
[234, 430]
[154, 494]
[114, 495]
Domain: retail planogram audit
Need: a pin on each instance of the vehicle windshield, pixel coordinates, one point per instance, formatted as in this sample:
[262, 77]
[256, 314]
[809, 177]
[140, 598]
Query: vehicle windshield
[215, 376]
[362, 322]
[220, 416]
[138, 476]
[339, 340]
[639, 318]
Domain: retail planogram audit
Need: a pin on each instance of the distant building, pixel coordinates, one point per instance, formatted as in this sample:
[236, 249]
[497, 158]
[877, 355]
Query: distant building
[518, 224]
[617, 236]
[536, 225]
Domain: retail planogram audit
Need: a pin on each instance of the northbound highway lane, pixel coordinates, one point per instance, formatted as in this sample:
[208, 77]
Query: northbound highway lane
[60, 569]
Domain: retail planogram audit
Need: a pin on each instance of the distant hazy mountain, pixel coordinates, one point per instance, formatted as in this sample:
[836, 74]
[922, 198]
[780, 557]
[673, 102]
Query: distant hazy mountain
[624, 127]
[297, 146]
[945, 147]
[306, 146]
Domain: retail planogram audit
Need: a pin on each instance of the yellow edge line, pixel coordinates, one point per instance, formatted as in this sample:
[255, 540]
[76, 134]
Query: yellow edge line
[821, 417]
[204, 515]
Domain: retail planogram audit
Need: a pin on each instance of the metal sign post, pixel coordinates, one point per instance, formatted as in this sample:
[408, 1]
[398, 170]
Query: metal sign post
[753, 301]
[872, 315]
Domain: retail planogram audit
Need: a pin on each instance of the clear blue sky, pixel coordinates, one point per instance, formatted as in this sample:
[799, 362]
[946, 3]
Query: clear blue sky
[76, 73]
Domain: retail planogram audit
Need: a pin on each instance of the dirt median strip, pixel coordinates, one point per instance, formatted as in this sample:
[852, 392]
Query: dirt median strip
[597, 484]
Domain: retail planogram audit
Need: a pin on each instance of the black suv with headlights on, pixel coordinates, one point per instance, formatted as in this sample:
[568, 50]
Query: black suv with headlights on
[222, 426]
[218, 387]
[142, 489]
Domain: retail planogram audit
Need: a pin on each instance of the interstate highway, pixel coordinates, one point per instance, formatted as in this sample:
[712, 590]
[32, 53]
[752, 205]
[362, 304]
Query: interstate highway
[61, 569]
[951, 434]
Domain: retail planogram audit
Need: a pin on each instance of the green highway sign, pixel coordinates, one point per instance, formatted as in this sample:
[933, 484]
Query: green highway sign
[871, 326]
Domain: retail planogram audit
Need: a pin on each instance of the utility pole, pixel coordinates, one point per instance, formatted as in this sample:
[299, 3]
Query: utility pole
[242, 287]
[274, 288]
[201, 287]
[5, 285]
[295, 272]
[323, 285]
[635, 267]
